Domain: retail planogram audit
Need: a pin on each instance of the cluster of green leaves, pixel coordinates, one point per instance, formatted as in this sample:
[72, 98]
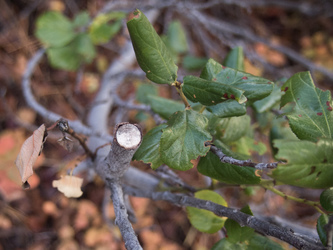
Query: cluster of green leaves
[213, 110]
[71, 43]
[309, 158]
[218, 100]
[221, 89]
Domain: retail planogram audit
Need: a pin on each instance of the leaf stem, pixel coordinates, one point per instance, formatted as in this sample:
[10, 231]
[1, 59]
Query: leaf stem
[178, 86]
[202, 109]
[315, 204]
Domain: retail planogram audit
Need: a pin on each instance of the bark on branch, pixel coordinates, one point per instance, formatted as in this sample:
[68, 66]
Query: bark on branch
[127, 139]
[243, 219]
[247, 163]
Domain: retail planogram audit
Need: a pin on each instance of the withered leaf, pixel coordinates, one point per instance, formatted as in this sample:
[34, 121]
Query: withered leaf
[29, 152]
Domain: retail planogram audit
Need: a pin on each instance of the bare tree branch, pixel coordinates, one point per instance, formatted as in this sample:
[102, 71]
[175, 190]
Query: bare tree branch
[141, 107]
[243, 219]
[127, 139]
[98, 114]
[302, 231]
[222, 26]
[172, 178]
[126, 229]
[247, 163]
[77, 125]
[300, 6]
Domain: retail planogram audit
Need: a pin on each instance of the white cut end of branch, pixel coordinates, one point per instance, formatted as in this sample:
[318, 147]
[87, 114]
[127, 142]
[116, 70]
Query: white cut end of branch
[128, 136]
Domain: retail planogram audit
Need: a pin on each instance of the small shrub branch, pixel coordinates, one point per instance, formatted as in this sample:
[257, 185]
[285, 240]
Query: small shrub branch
[243, 219]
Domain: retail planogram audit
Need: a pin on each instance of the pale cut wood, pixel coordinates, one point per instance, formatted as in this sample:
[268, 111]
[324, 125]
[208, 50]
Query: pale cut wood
[69, 185]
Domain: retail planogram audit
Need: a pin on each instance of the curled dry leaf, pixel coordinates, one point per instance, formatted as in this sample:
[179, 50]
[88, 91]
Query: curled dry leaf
[29, 152]
[69, 185]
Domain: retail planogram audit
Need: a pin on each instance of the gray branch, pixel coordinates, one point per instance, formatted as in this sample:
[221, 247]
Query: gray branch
[222, 26]
[247, 163]
[126, 229]
[127, 139]
[243, 219]
[301, 6]
[77, 125]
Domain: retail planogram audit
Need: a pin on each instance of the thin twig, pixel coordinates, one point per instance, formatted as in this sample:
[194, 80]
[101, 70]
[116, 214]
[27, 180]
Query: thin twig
[172, 178]
[314, 204]
[130, 105]
[45, 113]
[178, 86]
[247, 163]
[222, 26]
[243, 219]
[329, 230]
[141, 107]
[300, 6]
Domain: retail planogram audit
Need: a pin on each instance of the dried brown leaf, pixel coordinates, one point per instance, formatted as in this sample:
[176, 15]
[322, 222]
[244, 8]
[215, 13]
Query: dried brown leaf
[29, 152]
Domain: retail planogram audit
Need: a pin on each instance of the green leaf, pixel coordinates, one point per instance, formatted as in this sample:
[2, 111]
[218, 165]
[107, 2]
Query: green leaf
[254, 243]
[213, 120]
[105, 26]
[65, 57]
[203, 220]
[81, 20]
[151, 53]
[70, 57]
[280, 130]
[228, 108]
[255, 87]
[263, 243]
[247, 146]
[270, 101]
[326, 199]
[235, 59]
[184, 139]
[309, 164]
[247, 210]
[173, 54]
[164, 107]
[85, 47]
[193, 62]
[211, 166]
[177, 38]
[54, 29]
[235, 232]
[232, 129]
[149, 150]
[322, 231]
[104, 32]
[227, 245]
[209, 92]
[312, 117]
[144, 91]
